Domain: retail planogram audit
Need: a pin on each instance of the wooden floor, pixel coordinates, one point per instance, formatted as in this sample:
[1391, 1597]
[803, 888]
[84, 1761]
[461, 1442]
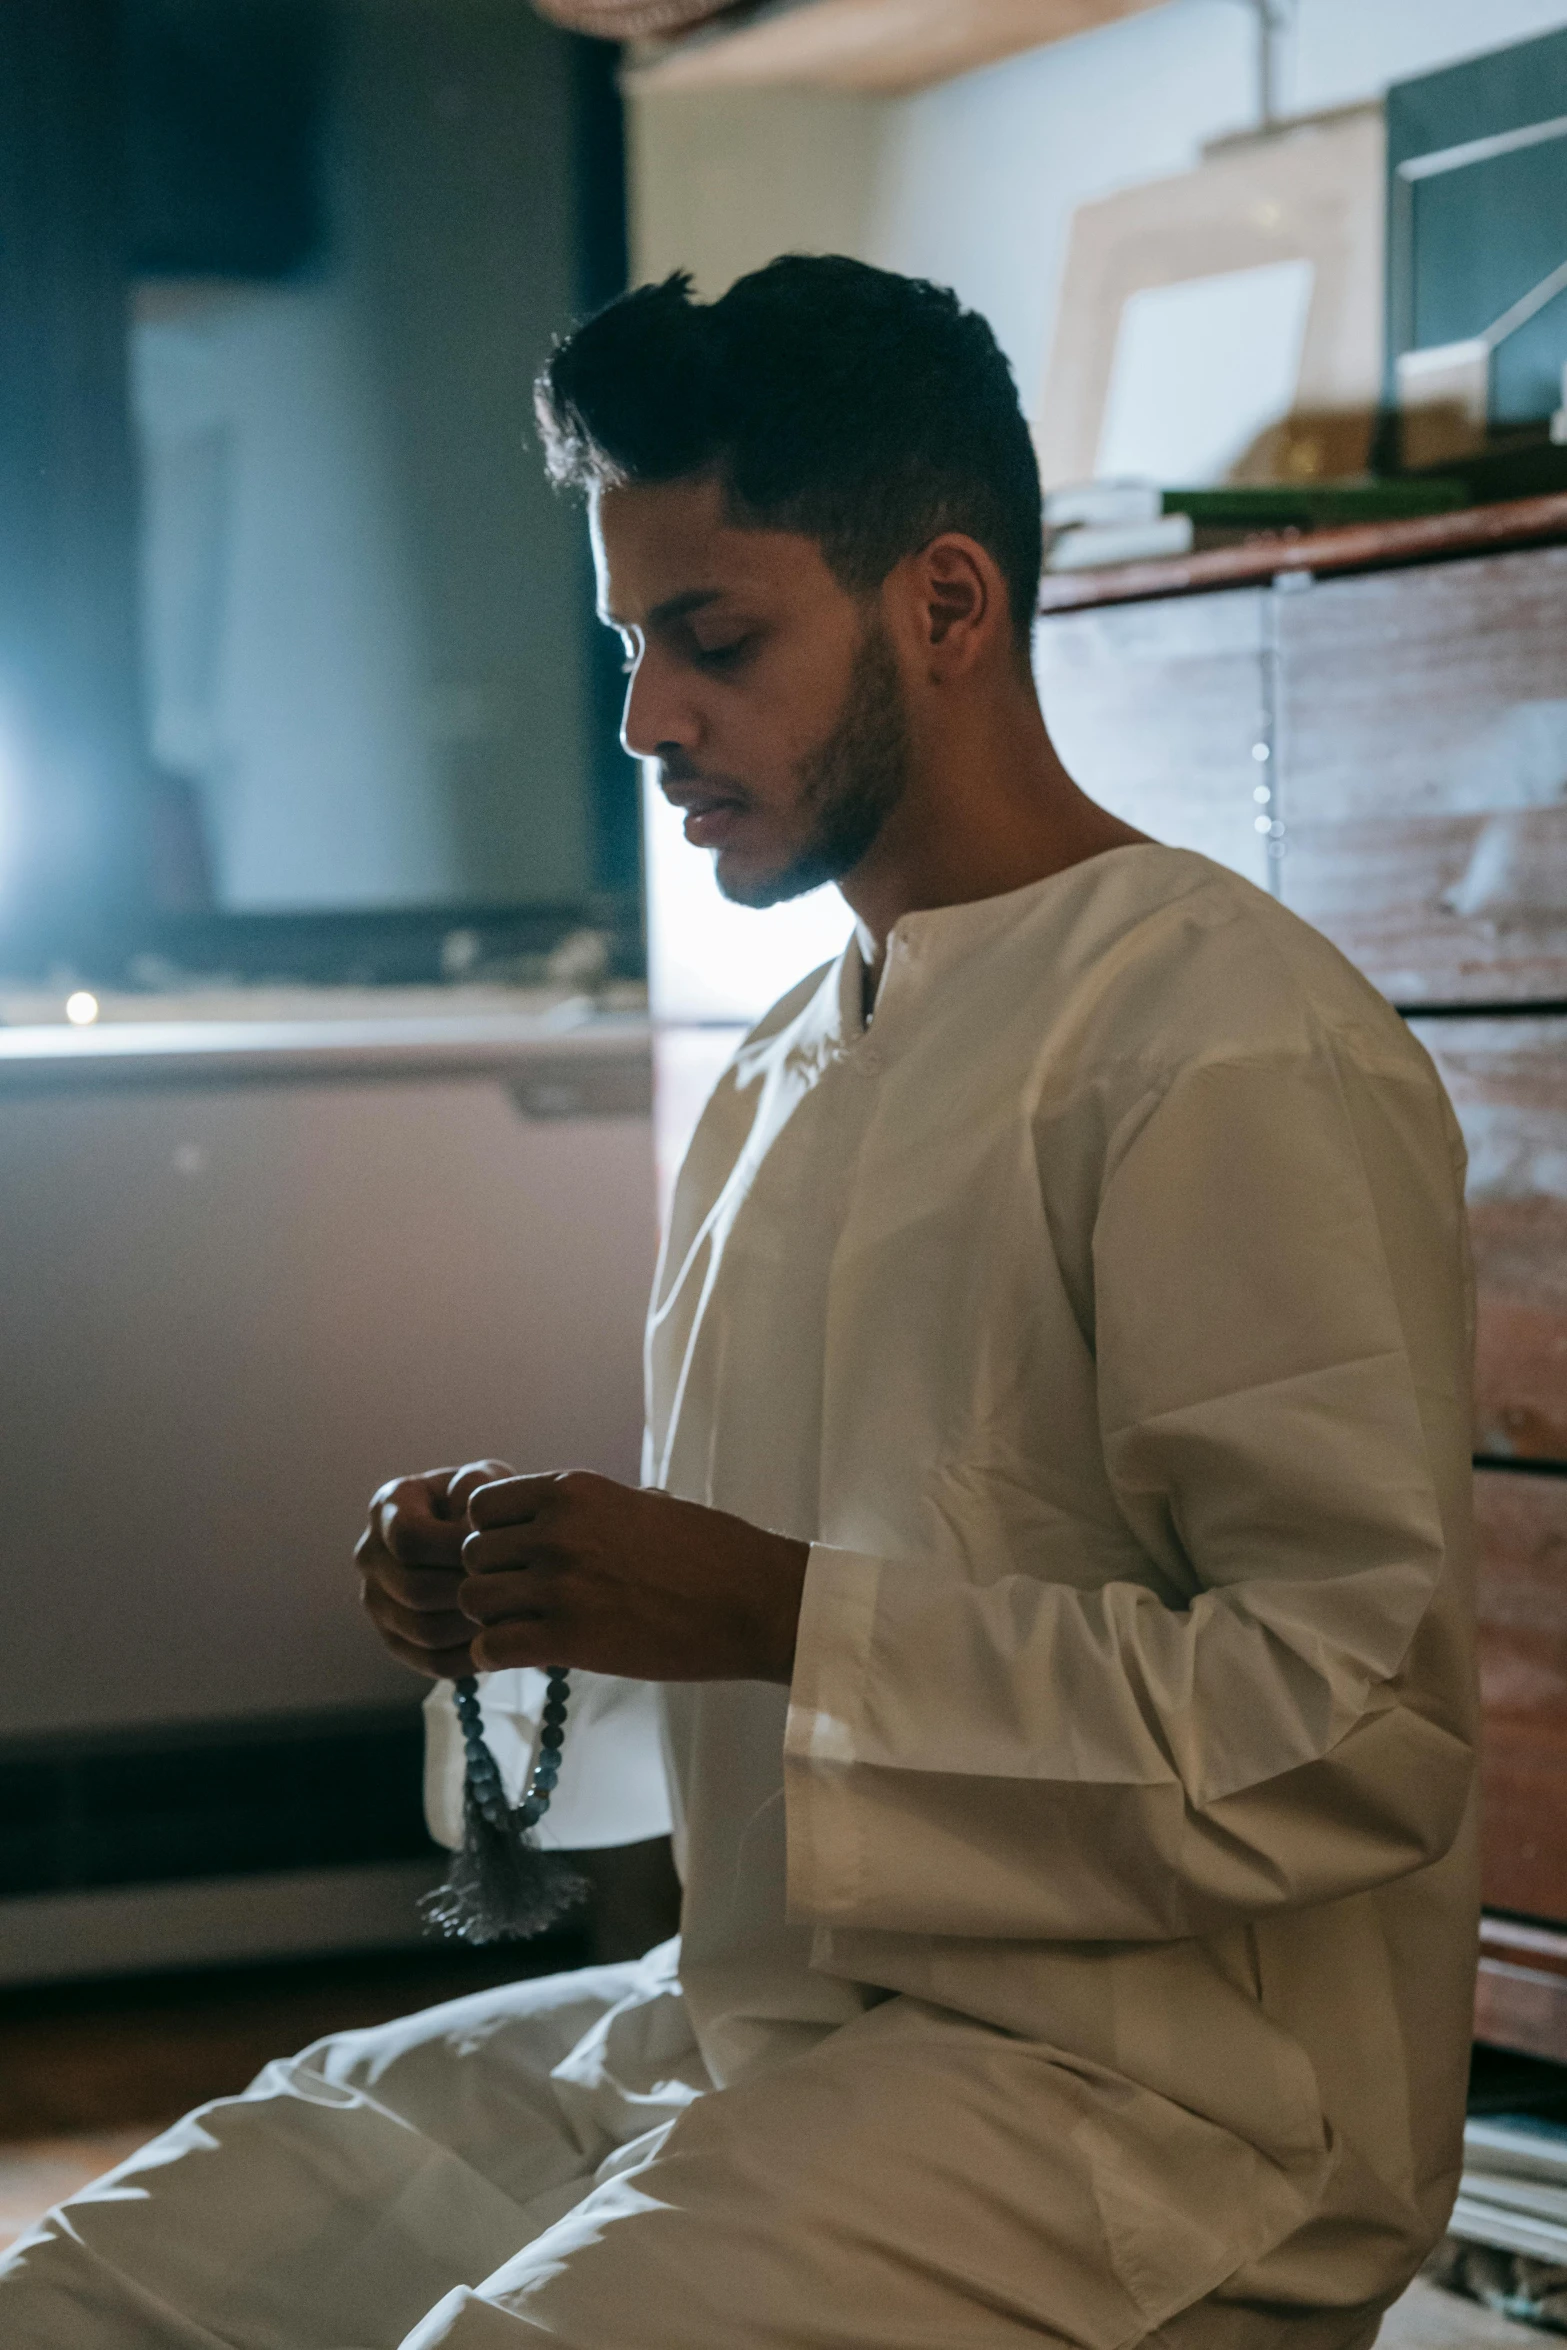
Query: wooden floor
[87, 2074]
[76, 2060]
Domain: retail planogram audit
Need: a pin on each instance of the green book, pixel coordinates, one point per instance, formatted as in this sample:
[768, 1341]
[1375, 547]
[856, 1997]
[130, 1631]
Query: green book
[1326, 505]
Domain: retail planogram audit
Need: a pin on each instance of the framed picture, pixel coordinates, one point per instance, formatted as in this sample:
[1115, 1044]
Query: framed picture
[1226, 325]
[1477, 249]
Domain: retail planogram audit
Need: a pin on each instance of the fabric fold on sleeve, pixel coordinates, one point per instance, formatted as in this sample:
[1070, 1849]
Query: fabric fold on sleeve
[991, 1753]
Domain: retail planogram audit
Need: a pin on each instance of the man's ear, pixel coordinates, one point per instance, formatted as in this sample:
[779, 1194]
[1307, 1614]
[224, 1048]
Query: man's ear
[962, 602]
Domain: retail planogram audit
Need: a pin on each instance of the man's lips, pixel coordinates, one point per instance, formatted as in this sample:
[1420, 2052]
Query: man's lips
[711, 818]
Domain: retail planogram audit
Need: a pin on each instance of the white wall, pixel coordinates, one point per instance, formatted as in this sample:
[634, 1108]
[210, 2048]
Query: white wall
[717, 185]
[974, 182]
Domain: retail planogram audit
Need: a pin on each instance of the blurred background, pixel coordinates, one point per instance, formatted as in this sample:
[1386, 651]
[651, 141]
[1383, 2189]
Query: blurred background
[294, 632]
[357, 996]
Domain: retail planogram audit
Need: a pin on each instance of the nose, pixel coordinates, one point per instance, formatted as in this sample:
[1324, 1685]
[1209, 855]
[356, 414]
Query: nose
[658, 719]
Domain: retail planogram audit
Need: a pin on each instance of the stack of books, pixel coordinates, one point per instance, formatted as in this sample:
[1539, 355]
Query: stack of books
[1507, 2238]
[1108, 522]
[1112, 522]
[1514, 2190]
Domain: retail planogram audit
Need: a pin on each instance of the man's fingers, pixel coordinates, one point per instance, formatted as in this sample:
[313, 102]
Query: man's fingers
[504, 1547]
[430, 1632]
[422, 1520]
[411, 1531]
[512, 1501]
[369, 1550]
[438, 1647]
[502, 1598]
[435, 1482]
[467, 1481]
[428, 1581]
[449, 1664]
[521, 1642]
[431, 1589]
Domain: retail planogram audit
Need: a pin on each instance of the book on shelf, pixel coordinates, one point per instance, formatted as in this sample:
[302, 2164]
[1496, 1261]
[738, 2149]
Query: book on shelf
[1513, 2194]
[1110, 522]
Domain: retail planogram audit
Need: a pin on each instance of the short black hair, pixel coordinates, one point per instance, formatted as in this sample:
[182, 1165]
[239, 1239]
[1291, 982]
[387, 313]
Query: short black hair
[866, 410]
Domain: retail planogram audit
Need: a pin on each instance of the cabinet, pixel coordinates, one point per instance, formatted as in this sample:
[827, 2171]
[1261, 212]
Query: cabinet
[1159, 709]
[1423, 739]
[252, 1268]
[1374, 726]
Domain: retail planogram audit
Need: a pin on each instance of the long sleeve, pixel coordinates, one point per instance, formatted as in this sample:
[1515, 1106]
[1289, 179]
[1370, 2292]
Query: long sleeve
[1278, 1710]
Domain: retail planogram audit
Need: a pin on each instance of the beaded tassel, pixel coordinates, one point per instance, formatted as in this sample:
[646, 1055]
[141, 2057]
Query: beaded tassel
[500, 1886]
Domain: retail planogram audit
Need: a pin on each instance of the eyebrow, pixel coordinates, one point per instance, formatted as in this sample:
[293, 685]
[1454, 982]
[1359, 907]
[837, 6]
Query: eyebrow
[672, 608]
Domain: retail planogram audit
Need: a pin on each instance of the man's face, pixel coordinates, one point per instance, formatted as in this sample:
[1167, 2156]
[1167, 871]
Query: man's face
[769, 696]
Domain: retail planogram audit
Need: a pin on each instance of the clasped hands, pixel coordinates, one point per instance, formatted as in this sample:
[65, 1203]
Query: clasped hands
[476, 1569]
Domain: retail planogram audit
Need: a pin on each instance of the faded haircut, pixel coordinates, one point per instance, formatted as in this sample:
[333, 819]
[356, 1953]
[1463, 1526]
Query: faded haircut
[865, 410]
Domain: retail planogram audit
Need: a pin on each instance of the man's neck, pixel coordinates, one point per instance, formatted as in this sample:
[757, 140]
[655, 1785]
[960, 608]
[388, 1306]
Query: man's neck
[986, 813]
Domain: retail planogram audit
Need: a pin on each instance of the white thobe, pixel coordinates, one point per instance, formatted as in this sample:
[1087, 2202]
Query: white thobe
[1082, 1949]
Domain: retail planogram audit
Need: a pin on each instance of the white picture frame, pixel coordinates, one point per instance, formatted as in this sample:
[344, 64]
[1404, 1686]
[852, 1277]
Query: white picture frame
[1312, 193]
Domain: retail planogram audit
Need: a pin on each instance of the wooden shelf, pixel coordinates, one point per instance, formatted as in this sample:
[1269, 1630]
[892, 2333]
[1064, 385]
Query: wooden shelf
[1360, 546]
[879, 47]
[1521, 1995]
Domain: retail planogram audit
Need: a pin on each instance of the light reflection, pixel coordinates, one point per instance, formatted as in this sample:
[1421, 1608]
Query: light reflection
[81, 1009]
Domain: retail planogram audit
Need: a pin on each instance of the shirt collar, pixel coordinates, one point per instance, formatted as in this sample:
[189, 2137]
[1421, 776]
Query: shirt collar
[929, 946]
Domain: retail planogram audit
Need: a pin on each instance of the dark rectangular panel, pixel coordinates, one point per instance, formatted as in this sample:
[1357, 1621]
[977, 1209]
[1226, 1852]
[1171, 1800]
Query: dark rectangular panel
[1423, 768]
[1508, 1082]
[219, 1800]
[1156, 709]
[74, 868]
[222, 123]
[1522, 1609]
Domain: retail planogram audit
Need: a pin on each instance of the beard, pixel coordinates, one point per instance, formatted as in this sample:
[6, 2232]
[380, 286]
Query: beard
[850, 783]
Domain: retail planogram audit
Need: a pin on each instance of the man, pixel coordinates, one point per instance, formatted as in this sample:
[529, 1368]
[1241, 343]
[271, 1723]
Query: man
[1052, 1563]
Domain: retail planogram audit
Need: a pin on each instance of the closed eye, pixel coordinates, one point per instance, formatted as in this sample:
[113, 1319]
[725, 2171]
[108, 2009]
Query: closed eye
[722, 656]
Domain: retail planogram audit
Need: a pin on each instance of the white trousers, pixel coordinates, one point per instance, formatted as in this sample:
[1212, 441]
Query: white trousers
[548, 2160]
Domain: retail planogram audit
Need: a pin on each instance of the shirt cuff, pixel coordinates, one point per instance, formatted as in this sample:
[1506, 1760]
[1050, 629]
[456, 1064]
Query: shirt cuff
[443, 1767]
[821, 1739]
